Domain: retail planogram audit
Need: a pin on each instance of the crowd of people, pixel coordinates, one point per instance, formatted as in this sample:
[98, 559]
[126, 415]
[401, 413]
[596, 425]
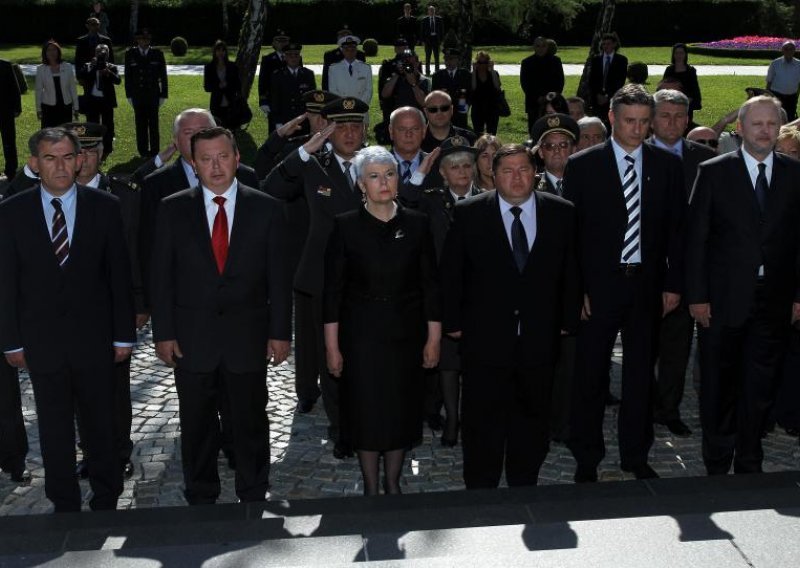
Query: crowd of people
[446, 277]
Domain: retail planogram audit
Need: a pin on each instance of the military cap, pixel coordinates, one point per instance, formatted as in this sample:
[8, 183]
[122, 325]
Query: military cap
[452, 52]
[142, 32]
[315, 100]
[401, 42]
[346, 109]
[90, 134]
[562, 123]
[456, 144]
[292, 46]
[344, 31]
[348, 39]
[280, 36]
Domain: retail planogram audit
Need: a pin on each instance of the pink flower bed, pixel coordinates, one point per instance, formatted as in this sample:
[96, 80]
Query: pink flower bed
[748, 42]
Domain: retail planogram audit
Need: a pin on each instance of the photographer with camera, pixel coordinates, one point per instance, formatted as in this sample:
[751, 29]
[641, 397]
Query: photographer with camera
[98, 77]
[406, 86]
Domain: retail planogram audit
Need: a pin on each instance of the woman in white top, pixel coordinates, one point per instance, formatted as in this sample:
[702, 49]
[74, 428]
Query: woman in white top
[56, 89]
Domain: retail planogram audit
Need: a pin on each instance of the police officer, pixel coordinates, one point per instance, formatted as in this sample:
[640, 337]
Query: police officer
[91, 138]
[146, 90]
[269, 64]
[288, 84]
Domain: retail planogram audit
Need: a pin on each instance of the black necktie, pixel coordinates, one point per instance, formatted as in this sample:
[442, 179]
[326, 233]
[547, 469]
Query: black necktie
[762, 186]
[350, 69]
[519, 240]
[348, 175]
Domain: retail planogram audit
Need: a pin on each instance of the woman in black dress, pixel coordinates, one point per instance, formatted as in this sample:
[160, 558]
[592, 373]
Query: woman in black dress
[221, 79]
[485, 92]
[382, 323]
[687, 75]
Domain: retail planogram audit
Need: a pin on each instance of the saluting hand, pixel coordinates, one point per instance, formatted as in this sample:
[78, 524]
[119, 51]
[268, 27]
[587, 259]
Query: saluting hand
[277, 350]
[317, 141]
[169, 351]
[427, 162]
[292, 126]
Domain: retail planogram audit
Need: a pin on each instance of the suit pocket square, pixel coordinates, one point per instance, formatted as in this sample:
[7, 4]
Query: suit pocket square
[324, 191]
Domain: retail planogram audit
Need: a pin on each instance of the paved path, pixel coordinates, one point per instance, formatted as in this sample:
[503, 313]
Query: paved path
[302, 464]
[510, 70]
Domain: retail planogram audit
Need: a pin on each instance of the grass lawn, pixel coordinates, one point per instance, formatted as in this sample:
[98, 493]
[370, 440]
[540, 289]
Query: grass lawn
[720, 95]
[313, 54]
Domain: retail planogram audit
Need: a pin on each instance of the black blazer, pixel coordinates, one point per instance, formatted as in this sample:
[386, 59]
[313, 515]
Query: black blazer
[617, 74]
[539, 76]
[425, 28]
[692, 156]
[86, 75]
[229, 317]
[159, 184]
[70, 315]
[232, 89]
[488, 299]
[592, 182]
[145, 75]
[462, 81]
[85, 49]
[729, 238]
[285, 93]
[408, 28]
[323, 184]
[10, 100]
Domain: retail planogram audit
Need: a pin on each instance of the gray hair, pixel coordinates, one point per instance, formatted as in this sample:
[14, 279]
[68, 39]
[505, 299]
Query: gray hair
[671, 96]
[372, 155]
[588, 121]
[406, 110]
[176, 125]
[52, 135]
[457, 158]
[762, 99]
[629, 95]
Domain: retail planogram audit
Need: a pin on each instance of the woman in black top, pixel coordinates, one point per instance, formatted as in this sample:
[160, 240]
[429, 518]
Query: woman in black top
[382, 322]
[485, 93]
[687, 75]
[221, 79]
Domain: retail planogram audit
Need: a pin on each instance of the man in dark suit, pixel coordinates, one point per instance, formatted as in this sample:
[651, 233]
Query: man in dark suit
[539, 74]
[743, 254]
[221, 309]
[146, 90]
[408, 25]
[100, 76]
[607, 74]
[325, 179]
[335, 55]
[630, 202]
[431, 32]
[269, 64]
[415, 166]
[86, 45]
[457, 83]
[287, 86]
[10, 109]
[67, 314]
[670, 118]
[505, 241]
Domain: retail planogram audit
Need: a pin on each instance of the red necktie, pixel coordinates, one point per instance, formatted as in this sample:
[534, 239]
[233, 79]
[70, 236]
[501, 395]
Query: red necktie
[219, 234]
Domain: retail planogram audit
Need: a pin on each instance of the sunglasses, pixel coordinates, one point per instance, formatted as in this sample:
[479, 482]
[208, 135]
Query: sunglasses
[713, 143]
[440, 108]
[551, 147]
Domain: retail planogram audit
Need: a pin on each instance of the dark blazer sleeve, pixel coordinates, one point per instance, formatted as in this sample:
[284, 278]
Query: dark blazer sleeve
[452, 274]
[698, 232]
[572, 299]
[119, 266]
[335, 274]
[674, 280]
[432, 298]
[163, 75]
[280, 281]
[9, 328]
[210, 80]
[285, 181]
[162, 285]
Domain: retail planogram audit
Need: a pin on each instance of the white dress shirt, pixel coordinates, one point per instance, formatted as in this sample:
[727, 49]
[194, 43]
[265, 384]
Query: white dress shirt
[528, 218]
[188, 169]
[212, 208]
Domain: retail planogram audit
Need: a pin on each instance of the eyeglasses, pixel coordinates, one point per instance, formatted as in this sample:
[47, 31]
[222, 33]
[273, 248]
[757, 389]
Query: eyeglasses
[440, 108]
[552, 147]
[710, 142]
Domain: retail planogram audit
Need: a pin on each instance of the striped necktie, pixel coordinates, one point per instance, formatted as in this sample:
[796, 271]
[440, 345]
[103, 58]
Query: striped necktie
[406, 171]
[348, 175]
[630, 189]
[59, 233]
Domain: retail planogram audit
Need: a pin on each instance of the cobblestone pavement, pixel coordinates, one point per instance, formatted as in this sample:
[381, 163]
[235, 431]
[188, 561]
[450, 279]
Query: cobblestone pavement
[302, 462]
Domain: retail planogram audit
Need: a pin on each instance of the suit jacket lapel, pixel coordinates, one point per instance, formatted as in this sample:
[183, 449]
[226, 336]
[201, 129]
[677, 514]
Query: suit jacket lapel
[43, 238]
[241, 215]
[746, 186]
[339, 182]
[179, 177]
[84, 218]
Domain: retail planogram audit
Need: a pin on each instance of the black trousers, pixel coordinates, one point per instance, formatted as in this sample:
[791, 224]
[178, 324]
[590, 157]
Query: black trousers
[86, 388]
[505, 423]
[629, 307]
[13, 437]
[100, 112]
[787, 399]
[739, 375]
[431, 47]
[310, 363]
[562, 389]
[8, 133]
[789, 103]
[198, 396]
[484, 120]
[145, 116]
[674, 346]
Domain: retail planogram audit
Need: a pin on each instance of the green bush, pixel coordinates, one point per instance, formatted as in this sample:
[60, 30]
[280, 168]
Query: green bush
[370, 47]
[178, 46]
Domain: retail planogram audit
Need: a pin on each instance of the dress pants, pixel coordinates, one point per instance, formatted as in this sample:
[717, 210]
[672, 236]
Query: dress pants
[310, 363]
[198, 397]
[626, 306]
[505, 422]
[789, 104]
[674, 346]
[787, 399]
[8, 133]
[86, 388]
[738, 380]
[431, 47]
[100, 112]
[13, 437]
[562, 389]
[145, 115]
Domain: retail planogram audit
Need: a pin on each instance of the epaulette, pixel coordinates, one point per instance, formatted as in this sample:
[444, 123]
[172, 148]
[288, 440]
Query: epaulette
[124, 181]
[433, 190]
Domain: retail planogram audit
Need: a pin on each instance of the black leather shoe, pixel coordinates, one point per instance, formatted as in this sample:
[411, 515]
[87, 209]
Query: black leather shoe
[21, 476]
[82, 469]
[611, 400]
[585, 474]
[304, 406]
[127, 469]
[342, 451]
[642, 472]
[678, 428]
[435, 422]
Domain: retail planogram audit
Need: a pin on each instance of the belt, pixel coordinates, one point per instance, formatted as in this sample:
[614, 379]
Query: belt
[630, 269]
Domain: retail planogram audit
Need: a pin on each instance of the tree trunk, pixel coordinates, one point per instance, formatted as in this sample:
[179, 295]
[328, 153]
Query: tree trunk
[225, 23]
[605, 23]
[134, 19]
[250, 36]
[464, 32]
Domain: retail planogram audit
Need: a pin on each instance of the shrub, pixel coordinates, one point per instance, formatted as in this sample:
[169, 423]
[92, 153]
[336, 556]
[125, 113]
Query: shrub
[370, 47]
[178, 46]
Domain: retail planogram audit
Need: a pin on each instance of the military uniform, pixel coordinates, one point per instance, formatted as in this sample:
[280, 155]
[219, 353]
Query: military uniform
[286, 90]
[455, 85]
[269, 64]
[430, 143]
[335, 55]
[145, 85]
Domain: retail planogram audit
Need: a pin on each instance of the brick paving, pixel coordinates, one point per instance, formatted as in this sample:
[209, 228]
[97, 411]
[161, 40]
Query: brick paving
[302, 462]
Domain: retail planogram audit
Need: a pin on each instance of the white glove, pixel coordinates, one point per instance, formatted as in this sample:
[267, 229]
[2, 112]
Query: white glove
[264, 109]
[161, 102]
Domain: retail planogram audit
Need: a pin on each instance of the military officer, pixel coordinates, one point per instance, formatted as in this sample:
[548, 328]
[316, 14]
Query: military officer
[146, 90]
[288, 84]
[269, 64]
[335, 55]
